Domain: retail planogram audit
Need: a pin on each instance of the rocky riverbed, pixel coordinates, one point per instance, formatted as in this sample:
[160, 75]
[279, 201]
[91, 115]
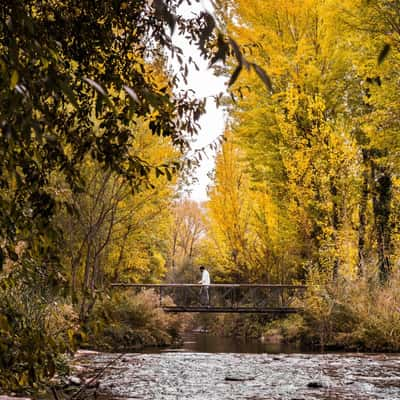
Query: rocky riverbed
[183, 374]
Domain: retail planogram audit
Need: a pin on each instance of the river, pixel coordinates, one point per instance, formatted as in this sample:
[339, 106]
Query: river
[209, 368]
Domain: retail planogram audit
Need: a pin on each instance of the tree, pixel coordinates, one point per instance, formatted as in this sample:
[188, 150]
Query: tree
[186, 232]
[375, 23]
[248, 237]
[297, 142]
[72, 80]
[323, 146]
[115, 234]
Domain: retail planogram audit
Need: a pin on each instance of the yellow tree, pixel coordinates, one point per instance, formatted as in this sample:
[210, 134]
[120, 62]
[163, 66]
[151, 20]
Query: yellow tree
[116, 233]
[298, 140]
[245, 229]
[186, 230]
[373, 33]
[228, 211]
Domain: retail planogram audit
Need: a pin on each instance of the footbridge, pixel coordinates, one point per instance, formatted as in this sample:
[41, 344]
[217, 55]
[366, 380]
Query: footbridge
[224, 298]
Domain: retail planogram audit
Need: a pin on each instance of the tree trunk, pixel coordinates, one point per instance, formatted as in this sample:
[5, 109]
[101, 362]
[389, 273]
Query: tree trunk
[74, 280]
[382, 197]
[85, 283]
[335, 226]
[362, 216]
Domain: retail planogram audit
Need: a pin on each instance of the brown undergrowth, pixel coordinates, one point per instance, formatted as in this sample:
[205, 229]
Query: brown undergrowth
[360, 315]
[126, 321]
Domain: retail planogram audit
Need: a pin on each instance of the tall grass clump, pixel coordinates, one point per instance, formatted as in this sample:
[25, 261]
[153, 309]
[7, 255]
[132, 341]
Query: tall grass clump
[357, 314]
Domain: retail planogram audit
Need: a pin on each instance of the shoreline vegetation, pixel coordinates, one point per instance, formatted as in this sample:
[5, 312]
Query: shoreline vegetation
[126, 321]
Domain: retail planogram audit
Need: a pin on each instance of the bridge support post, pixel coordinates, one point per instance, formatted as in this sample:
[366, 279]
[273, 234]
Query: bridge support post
[160, 295]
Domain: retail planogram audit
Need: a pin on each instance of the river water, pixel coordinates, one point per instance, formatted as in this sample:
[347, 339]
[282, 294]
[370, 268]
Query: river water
[212, 368]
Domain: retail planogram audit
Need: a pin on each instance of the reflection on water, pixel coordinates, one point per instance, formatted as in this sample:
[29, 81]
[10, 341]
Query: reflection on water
[203, 343]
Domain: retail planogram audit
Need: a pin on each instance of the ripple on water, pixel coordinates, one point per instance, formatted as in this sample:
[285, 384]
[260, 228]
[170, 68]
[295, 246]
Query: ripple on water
[201, 376]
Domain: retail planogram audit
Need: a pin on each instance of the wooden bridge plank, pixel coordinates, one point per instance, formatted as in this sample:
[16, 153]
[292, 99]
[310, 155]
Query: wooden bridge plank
[240, 310]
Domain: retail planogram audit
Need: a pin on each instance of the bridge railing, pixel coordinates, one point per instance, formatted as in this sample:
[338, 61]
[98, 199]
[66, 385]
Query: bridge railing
[228, 297]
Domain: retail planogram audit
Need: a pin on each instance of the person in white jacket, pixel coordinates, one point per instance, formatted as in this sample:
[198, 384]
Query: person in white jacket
[205, 281]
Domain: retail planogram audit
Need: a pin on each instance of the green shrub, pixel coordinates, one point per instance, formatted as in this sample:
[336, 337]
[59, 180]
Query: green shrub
[123, 320]
[34, 332]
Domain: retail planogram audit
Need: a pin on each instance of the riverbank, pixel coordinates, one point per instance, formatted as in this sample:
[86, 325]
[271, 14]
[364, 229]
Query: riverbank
[340, 330]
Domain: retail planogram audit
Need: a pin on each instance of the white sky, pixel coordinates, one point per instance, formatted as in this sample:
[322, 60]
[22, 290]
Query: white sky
[205, 84]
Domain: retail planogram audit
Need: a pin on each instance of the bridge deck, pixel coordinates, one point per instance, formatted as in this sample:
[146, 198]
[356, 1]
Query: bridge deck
[215, 285]
[225, 298]
[239, 310]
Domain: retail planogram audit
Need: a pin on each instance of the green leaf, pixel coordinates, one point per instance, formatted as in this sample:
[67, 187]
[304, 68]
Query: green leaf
[68, 92]
[223, 50]
[163, 12]
[235, 75]
[14, 79]
[132, 94]
[4, 325]
[384, 53]
[169, 175]
[95, 86]
[263, 76]
[159, 172]
[3, 66]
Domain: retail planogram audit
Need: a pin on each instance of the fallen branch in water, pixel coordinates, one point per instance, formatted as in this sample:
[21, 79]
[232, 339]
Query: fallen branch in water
[76, 395]
[55, 394]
